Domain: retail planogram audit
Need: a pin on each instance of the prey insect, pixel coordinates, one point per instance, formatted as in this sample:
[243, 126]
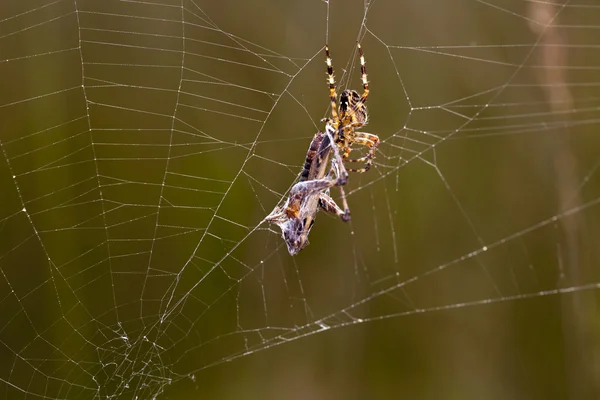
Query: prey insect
[311, 193]
[297, 216]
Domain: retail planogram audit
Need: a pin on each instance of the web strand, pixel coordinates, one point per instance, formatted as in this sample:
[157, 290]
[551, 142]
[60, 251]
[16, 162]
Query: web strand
[144, 143]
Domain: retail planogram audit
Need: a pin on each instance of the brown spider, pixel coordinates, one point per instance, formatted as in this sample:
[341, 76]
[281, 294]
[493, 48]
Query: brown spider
[353, 115]
[298, 214]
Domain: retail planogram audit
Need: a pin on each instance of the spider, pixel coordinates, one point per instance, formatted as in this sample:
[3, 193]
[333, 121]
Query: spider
[298, 214]
[352, 115]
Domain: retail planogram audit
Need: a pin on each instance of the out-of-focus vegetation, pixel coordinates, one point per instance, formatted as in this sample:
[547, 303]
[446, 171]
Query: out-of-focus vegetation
[142, 144]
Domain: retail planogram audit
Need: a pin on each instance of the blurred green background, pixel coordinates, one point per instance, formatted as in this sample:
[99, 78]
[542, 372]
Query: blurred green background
[143, 143]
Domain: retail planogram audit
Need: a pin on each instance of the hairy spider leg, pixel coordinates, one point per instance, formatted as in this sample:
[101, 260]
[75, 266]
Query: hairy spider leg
[332, 92]
[363, 73]
[364, 139]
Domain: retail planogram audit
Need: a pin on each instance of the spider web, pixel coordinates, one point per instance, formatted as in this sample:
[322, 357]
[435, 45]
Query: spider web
[144, 142]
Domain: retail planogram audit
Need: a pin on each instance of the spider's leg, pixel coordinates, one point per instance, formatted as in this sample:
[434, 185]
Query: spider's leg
[365, 139]
[331, 81]
[347, 151]
[363, 73]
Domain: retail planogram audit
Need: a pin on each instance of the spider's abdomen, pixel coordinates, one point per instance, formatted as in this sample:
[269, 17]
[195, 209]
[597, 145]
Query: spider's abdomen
[353, 111]
[348, 99]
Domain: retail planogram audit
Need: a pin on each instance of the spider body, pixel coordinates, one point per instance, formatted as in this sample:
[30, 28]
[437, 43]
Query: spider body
[352, 116]
[354, 111]
[297, 216]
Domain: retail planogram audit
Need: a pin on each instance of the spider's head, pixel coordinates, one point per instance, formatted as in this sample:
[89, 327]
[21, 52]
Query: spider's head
[295, 234]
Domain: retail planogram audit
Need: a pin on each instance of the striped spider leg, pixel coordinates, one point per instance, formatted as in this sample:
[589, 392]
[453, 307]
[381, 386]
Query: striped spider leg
[311, 193]
[352, 115]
